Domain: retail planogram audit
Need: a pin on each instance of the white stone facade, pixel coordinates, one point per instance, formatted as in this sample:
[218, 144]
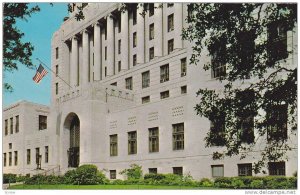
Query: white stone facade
[88, 60]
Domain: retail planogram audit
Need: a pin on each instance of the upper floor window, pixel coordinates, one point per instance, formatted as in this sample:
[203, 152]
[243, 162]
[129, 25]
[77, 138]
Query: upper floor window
[56, 88]
[9, 158]
[183, 89]
[218, 64]
[4, 159]
[128, 83]
[42, 122]
[16, 158]
[113, 145]
[6, 127]
[217, 128]
[153, 140]
[170, 45]
[183, 67]
[134, 60]
[151, 31]
[46, 154]
[56, 70]
[170, 22]
[134, 39]
[151, 9]
[151, 53]
[105, 53]
[119, 66]
[119, 46]
[56, 53]
[217, 170]
[277, 122]
[178, 136]
[17, 124]
[119, 23]
[164, 73]
[10, 146]
[164, 94]
[134, 12]
[132, 142]
[146, 79]
[28, 154]
[145, 99]
[245, 169]
[11, 125]
[105, 71]
[114, 84]
[170, 4]
[276, 168]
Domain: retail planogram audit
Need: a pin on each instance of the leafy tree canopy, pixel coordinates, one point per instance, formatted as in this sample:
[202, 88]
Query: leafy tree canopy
[247, 44]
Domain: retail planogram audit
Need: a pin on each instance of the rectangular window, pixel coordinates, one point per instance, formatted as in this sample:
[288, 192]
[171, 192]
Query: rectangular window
[119, 23]
[170, 46]
[114, 84]
[183, 67]
[177, 170]
[277, 122]
[105, 31]
[183, 90]
[119, 66]
[146, 79]
[217, 170]
[56, 88]
[4, 159]
[10, 146]
[153, 139]
[28, 157]
[9, 159]
[11, 125]
[164, 94]
[6, 127]
[37, 155]
[134, 40]
[105, 71]
[145, 99]
[151, 53]
[164, 73]
[151, 9]
[170, 22]
[46, 154]
[178, 136]
[113, 145]
[276, 168]
[119, 46]
[42, 122]
[151, 31]
[56, 53]
[134, 16]
[56, 70]
[170, 4]
[16, 158]
[218, 66]
[245, 169]
[113, 174]
[134, 60]
[217, 128]
[105, 53]
[128, 82]
[153, 170]
[132, 142]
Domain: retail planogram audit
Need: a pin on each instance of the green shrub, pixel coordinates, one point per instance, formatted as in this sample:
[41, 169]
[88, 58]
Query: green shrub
[223, 182]
[257, 184]
[153, 176]
[117, 182]
[134, 172]
[22, 178]
[237, 183]
[205, 182]
[9, 178]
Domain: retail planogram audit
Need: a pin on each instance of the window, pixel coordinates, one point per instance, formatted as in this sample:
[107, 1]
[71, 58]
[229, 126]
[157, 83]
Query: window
[217, 170]
[132, 142]
[178, 136]
[42, 122]
[153, 170]
[28, 157]
[218, 65]
[183, 90]
[277, 122]
[276, 168]
[277, 41]
[134, 16]
[170, 46]
[245, 169]
[146, 79]
[151, 53]
[134, 60]
[151, 9]
[170, 22]
[153, 140]
[56, 88]
[164, 94]
[105, 71]
[164, 73]
[10, 146]
[105, 53]
[56, 70]
[56, 53]
[170, 4]
[183, 67]
[4, 159]
[9, 159]
[84, 5]
[114, 84]
[145, 99]
[134, 40]
[17, 124]
[6, 127]
[119, 46]
[177, 170]
[217, 128]
[119, 22]
[93, 58]
[128, 82]
[151, 31]
[11, 125]
[37, 156]
[113, 145]
[16, 158]
[119, 66]
[105, 31]
[113, 174]
[46, 154]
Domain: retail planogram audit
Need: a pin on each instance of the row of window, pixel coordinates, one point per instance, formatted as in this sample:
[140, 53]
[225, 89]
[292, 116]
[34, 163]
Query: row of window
[10, 158]
[177, 140]
[11, 120]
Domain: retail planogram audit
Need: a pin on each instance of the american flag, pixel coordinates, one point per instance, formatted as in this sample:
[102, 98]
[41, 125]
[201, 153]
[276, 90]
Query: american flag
[40, 73]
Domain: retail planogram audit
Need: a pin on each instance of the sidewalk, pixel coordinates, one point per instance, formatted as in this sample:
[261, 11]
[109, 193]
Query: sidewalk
[6, 185]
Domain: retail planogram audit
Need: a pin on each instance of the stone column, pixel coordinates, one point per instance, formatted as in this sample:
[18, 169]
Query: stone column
[110, 45]
[85, 57]
[97, 52]
[140, 36]
[74, 63]
[125, 38]
[178, 25]
[158, 30]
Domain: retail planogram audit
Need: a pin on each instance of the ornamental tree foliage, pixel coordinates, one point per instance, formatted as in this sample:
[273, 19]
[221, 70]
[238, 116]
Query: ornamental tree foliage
[14, 49]
[258, 92]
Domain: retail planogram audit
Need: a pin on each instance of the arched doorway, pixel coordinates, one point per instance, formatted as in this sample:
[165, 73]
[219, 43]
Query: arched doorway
[72, 123]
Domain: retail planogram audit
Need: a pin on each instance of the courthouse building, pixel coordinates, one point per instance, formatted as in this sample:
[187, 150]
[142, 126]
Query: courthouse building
[128, 96]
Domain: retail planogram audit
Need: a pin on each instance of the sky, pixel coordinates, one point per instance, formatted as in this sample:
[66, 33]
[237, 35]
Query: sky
[38, 30]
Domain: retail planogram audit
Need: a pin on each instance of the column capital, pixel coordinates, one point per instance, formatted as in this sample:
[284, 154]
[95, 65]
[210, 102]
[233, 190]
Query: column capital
[98, 23]
[87, 31]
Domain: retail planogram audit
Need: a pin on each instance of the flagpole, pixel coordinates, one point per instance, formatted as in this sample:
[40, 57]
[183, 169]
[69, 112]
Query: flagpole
[53, 72]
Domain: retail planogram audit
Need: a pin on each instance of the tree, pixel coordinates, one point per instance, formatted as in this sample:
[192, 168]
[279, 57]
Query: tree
[14, 49]
[247, 44]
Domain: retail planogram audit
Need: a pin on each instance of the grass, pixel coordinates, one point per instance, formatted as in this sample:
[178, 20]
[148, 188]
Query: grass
[102, 187]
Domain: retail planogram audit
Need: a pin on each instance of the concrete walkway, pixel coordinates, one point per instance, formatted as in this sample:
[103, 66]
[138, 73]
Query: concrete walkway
[6, 185]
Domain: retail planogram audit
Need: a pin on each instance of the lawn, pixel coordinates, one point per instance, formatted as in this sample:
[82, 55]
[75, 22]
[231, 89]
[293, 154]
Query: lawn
[102, 187]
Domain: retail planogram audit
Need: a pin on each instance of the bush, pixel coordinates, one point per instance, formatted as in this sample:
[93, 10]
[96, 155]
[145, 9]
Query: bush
[117, 182]
[134, 172]
[155, 177]
[257, 184]
[237, 183]
[205, 182]
[9, 178]
[22, 178]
